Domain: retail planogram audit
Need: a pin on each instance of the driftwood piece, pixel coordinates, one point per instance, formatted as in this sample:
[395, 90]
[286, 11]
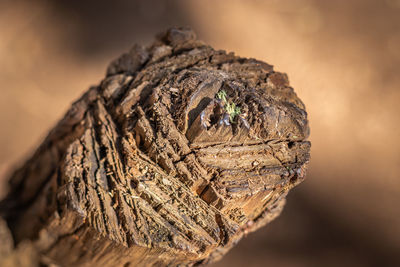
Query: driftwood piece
[157, 166]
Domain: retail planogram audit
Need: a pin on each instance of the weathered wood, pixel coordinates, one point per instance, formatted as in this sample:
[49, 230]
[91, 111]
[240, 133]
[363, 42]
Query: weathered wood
[152, 167]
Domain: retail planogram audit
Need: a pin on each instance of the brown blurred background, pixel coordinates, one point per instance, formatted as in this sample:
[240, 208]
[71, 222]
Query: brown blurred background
[342, 57]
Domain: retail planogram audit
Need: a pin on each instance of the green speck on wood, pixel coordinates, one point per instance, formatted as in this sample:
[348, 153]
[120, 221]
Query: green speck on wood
[230, 108]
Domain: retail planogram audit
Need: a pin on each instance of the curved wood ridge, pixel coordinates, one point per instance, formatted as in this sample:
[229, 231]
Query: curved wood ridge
[179, 152]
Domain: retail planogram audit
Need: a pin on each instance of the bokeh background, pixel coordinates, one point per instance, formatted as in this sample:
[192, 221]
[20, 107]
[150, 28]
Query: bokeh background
[342, 57]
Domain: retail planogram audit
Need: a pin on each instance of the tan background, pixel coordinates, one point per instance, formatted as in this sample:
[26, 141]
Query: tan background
[342, 57]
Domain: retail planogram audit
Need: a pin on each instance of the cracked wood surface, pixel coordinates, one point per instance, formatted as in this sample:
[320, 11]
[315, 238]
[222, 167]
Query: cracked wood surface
[147, 169]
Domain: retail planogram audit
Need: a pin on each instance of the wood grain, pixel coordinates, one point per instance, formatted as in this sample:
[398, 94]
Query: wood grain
[148, 168]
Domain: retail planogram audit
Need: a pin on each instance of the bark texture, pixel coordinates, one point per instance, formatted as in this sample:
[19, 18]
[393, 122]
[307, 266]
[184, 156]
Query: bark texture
[152, 168]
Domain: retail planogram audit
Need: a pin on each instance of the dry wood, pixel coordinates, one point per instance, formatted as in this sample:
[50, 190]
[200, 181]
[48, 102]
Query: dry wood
[157, 166]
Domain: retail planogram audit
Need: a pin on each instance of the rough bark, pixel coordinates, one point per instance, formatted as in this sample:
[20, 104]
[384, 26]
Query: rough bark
[151, 169]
